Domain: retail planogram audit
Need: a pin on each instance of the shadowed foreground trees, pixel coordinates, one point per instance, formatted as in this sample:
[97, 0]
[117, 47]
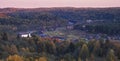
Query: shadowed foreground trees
[49, 49]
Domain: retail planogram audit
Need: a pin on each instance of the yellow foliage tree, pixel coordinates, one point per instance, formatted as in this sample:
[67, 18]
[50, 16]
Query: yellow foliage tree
[42, 59]
[110, 56]
[84, 53]
[14, 58]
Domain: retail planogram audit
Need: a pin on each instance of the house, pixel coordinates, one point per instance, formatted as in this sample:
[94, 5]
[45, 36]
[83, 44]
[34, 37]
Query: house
[24, 35]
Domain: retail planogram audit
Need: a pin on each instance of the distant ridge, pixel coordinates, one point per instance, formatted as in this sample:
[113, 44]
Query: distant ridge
[9, 10]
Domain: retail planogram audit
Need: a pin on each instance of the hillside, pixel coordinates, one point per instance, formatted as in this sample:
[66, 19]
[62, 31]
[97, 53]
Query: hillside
[60, 34]
[51, 18]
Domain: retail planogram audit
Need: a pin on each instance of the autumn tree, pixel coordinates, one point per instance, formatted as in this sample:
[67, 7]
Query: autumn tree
[96, 49]
[14, 58]
[13, 49]
[110, 56]
[84, 53]
[41, 59]
[51, 47]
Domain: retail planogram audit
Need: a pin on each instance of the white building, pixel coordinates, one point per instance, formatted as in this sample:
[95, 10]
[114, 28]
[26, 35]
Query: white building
[25, 35]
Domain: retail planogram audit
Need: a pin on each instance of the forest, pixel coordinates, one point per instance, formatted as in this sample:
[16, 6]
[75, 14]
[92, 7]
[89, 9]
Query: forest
[36, 48]
[109, 28]
[18, 19]
[15, 48]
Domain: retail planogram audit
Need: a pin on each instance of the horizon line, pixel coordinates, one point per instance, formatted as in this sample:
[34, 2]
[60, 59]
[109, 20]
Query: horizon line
[57, 7]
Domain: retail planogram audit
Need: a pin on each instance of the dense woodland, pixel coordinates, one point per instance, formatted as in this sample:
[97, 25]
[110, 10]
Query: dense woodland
[109, 28]
[17, 19]
[36, 48]
[14, 48]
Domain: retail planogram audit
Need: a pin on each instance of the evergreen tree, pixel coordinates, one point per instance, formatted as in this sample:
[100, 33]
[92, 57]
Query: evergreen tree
[71, 47]
[4, 36]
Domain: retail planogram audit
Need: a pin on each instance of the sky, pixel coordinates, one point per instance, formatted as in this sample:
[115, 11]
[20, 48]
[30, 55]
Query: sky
[58, 3]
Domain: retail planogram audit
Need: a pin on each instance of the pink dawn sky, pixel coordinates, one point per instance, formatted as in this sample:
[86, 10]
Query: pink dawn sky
[58, 3]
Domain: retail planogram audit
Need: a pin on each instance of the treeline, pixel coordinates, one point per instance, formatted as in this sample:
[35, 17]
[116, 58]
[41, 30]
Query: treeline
[16, 19]
[74, 13]
[14, 48]
[22, 21]
[81, 14]
[109, 28]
